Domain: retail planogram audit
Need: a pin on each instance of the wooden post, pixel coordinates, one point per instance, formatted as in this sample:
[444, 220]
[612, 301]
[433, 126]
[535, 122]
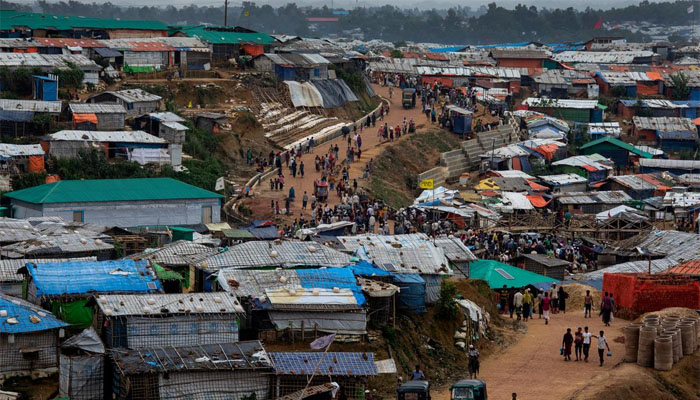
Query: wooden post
[302, 331]
[393, 318]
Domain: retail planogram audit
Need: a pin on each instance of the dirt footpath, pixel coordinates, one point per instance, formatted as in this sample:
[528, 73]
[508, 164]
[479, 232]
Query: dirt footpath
[371, 147]
[533, 367]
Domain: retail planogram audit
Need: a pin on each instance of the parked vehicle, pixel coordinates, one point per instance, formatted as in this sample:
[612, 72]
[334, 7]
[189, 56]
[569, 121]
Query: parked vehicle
[408, 98]
[468, 389]
[413, 390]
[321, 190]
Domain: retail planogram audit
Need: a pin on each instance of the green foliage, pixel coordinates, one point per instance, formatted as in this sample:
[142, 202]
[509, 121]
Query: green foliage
[396, 53]
[399, 44]
[609, 102]
[43, 122]
[71, 77]
[118, 251]
[199, 143]
[640, 110]
[446, 306]
[17, 81]
[681, 90]
[170, 105]
[28, 180]
[618, 91]
[252, 396]
[687, 154]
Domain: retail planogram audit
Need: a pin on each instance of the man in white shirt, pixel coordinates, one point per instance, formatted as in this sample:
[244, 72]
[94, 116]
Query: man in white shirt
[602, 344]
[518, 301]
[586, 343]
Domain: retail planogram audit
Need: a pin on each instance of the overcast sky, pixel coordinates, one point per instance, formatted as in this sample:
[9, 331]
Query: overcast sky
[403, 3]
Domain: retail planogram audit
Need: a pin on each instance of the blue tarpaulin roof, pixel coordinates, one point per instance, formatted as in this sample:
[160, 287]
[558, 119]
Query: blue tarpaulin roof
[22, 311]
[490, 46]
[331, 363]
[411, 298]
[449, 49]
[85, 277]
[365, 268]
[328, 278]
[264, 233]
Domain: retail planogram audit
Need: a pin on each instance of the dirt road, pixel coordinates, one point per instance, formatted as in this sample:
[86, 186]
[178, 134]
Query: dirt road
[533, 367]
[371, 147]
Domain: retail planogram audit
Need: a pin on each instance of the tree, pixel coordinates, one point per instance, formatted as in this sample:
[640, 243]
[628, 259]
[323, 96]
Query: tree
[681, 90]
[396, 53]
[446, 306]
[618, 91]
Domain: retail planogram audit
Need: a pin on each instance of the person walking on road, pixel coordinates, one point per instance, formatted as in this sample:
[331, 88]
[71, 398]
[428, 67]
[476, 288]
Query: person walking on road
[518, 302]
[540, 297]
[473, 362]
[602, 344]
[562, 295]
[578, 344]
[503, 300]
[586, 343]
[606, 309]
[545, 307]
[566, 344]
[527, 304]
[587, 304]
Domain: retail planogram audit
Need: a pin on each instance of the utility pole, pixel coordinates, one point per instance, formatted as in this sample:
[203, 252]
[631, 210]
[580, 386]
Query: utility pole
[225, 12]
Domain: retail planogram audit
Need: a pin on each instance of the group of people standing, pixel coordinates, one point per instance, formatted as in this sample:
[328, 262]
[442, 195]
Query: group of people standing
[523, 302]
[581, 341]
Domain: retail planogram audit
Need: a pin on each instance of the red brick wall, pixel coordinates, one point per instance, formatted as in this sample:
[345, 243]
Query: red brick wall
[642, 293]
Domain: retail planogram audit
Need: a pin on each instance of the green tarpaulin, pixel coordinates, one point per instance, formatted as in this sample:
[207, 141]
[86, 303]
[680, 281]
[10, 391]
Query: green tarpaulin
[497, 274]
[74, 313]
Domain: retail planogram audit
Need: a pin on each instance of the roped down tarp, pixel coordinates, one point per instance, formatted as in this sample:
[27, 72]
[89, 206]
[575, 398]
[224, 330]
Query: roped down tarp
[344, 323]
[334, 92]
[326, 93]
[304, 94]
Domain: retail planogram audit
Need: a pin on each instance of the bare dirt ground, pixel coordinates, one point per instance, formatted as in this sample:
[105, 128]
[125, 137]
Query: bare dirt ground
[371, 147]
[533, 368]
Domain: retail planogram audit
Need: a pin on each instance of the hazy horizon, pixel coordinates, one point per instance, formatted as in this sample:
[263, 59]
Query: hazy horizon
[578, 4]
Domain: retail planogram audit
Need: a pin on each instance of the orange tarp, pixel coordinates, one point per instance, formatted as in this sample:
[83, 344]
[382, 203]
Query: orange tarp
[79, 118]
[52, 179]
[547, 150]
[537, 201]
[36, 164]
[430, 81]
[536, 186]
[655, 76]
[253, 49]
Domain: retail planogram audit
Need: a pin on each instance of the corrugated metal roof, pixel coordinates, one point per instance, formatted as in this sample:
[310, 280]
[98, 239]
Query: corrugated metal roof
[13, 19]
[62, 61]
[664, 124]
[20, 43]
[652, 103]
[8, 150]
[102, 190]
[166, 117]
[174, 303]
[608, 57]
[22, 312]
[175, 126]
[180, 253]
[688, 268]
[582, 162]
[30, 105]
[134, 95]
[224, 35]
[633, 182]
[688, 165]
[619, 143]
[605, 128]
[57, 244]
[606, 197]
[88, 277]
[106, 136]
[66, 42]
[560, 76]
[96, 108]
[544, 102]
[303, 60]
[520, 53]
[285, 254]
[239, 356]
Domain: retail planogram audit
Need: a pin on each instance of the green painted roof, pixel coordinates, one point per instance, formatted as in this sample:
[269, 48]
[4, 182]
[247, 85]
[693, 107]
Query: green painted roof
[488, 270]
[619, 143]
[100, 190]
[207, 34]
[10, 19]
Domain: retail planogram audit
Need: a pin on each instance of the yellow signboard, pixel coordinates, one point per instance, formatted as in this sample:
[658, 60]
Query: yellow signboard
[427, 184]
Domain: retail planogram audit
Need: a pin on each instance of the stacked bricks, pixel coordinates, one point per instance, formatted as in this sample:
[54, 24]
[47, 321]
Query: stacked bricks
[635, 294]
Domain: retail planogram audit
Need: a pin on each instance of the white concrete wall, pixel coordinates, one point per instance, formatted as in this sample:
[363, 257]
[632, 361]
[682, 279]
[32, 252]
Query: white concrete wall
[127, 214]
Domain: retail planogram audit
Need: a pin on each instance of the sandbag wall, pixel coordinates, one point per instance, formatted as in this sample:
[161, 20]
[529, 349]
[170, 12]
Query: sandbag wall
[660, 342]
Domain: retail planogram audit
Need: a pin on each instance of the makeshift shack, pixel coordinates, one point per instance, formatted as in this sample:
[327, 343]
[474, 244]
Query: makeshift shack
[82, 367]
[21, 158]
[29, 339]
[591, 202]
[135, 101]
[16, 116]
[11, 282]
[460, 119]
[147, 320]
[66, 287]
[622, 153]
[224, 370]
[546, 265]
[166, 125]
[100, 117]
[349, 370]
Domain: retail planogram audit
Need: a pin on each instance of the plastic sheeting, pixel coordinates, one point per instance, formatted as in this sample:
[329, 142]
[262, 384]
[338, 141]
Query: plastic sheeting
[81, 377]
[334, 92]
[343, 323]
[149, 156]
[326, 93]
[36, 164]
[86, 340]
[411, 296]
[304, 94]
[432, 288]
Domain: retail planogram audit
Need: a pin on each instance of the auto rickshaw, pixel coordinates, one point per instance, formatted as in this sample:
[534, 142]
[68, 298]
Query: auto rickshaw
[413, 390]
[408, 98]
[468, 389]
[321, 190]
